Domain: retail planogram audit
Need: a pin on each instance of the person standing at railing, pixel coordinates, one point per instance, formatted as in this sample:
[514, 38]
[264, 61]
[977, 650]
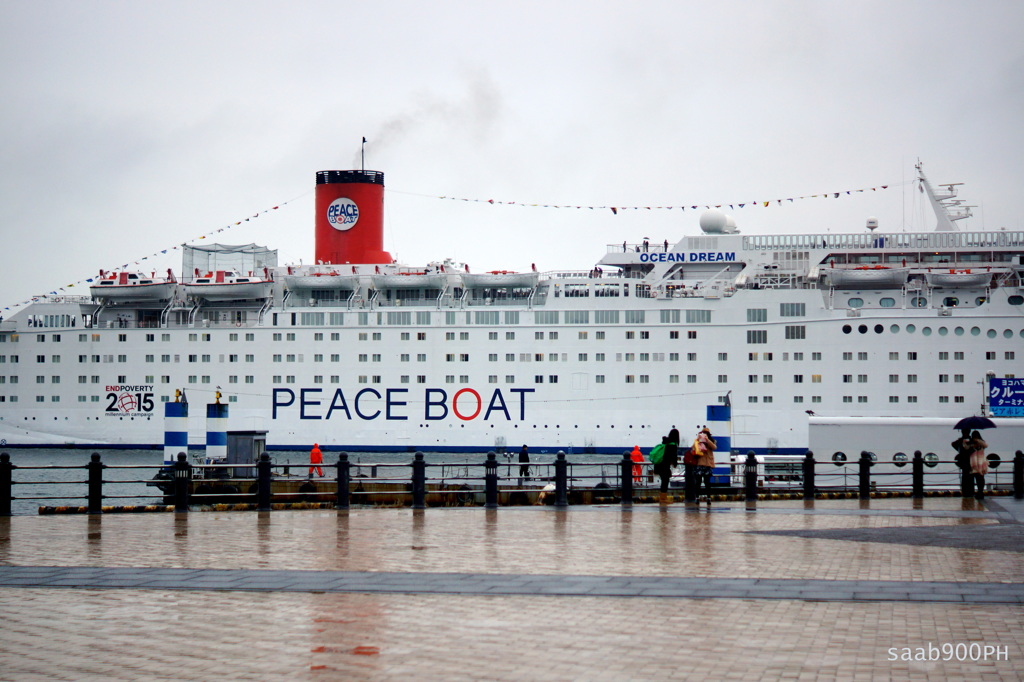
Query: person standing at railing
[638, 459]
[524, 463]
[979, 464]
[963, 448]
[669, 460]
[704, 445]
[316, 458]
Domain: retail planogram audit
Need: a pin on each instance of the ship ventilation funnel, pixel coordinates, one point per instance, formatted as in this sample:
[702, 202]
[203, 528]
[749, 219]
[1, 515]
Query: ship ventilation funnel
[350, 217]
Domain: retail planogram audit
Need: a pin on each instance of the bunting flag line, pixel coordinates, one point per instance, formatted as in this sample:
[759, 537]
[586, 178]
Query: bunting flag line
[682, 207]
[60, 290]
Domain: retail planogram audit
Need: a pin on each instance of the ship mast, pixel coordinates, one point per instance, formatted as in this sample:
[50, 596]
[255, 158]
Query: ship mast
[948, 209]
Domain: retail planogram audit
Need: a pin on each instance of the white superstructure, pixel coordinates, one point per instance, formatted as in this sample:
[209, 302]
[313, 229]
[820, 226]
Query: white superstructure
[376, 355]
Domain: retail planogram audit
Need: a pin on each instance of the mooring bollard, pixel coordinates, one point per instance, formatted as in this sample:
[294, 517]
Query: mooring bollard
[750, 477]
[344, 481]
[561, 481]
[263, 483]
[809, 476]
[491, 482]
[95, 467]
[6, 478]
[182, 479]
[419, 482]
[917, 467]
[1018, 475]
[627, 480]
[864, 476]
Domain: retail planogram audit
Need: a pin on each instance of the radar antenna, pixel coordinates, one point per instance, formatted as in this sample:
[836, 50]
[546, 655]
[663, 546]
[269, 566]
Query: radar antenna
[948, 209]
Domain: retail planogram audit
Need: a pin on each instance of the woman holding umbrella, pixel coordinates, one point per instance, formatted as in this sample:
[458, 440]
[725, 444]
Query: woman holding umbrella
[979, 464]
[971, 453]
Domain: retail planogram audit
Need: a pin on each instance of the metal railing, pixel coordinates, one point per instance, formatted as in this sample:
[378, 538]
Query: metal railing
[554, 483]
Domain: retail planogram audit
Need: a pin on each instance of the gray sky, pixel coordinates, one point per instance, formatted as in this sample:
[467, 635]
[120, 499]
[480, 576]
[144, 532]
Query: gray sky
[130, 127]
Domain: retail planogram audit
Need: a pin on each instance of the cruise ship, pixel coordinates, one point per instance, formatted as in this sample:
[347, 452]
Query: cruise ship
[361, 353]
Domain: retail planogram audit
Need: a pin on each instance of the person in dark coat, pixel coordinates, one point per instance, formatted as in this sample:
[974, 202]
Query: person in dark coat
[964, 448]
[979, 464]
[669, 459]
[524, 463]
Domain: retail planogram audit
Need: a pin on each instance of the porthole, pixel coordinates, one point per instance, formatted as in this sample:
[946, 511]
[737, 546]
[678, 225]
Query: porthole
[919, 302]
[879, 329]
[900, 459]
[894, 329]
[856, 302]
[911, 328]
[887, 302]
[991, 333]
[975, 331]
[959, 331]
[1007, 333]
[943, 331]
[839, 459]
[994, 460]
[1015, 300]
[951, 301]
[931, 460]
[872, 457]
[926, 331]
[847, 329]
[862, 328]
[981, 300]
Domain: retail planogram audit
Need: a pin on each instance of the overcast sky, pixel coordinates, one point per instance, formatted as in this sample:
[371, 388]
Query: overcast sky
[130, 127]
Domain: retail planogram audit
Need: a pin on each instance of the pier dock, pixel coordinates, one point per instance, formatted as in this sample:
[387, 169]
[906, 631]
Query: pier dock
[816, 589]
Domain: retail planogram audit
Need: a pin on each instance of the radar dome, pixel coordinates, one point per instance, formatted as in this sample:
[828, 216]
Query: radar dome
[713, 221]
[872, 223]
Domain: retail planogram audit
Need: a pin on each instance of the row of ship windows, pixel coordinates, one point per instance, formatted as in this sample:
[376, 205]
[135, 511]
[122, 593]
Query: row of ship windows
[753, 399]
[553, 378]
[494, 357]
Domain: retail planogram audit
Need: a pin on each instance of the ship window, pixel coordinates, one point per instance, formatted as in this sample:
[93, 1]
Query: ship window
[856, 302]
[991, 333]
[1015, 300]
[951, 301]
[926, 331]
[839, 459]
[887, 302]
[931, 460]
[919, 302]
[879, 329]
[911, 328]
[894, 329]
[1007, 333]
[847, 329]
[862, 328]
[980, 300]
[943, 331]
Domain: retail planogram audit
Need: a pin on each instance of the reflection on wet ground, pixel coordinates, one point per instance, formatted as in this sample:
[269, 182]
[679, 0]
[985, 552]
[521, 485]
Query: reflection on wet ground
[127, 633]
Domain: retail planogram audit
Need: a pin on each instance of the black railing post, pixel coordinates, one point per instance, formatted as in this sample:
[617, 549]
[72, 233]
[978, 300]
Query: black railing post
[809, 476]
[689, 483]
[95, 467]
[1018, 475]
[864, 476]
[344, 481]
[263, 483]
[627, 480]
[182, 479]
[491, 482]
[750, 477]
[561, 481]
[918, 475]
[6, 478]
[419, 482]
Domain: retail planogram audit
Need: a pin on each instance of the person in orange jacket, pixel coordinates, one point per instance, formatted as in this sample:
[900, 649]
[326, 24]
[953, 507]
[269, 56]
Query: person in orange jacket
[316, 458]
[638, 469]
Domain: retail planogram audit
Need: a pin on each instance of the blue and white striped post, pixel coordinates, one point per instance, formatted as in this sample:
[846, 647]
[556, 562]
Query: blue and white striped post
[175, 431]
[216, 431]
[720, 424]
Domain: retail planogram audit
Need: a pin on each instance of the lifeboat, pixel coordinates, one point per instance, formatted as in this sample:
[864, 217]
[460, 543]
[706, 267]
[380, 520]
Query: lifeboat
[322, 280]
[228, 285]
[867, 277]
[498, 279]
[410, 280]
[133, 286]
[952, 278]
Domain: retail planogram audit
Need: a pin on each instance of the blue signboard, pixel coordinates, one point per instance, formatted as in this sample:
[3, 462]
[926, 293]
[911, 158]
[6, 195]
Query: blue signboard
[1006, 397]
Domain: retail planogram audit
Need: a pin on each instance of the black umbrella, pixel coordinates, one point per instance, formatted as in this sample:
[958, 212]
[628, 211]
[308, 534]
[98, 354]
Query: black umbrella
[971, 423]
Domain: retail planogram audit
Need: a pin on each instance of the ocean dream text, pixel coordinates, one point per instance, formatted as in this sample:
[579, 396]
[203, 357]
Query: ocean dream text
[692, 257]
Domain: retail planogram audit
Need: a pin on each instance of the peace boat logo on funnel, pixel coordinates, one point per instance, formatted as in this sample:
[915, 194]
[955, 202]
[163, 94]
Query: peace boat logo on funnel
[342, 214]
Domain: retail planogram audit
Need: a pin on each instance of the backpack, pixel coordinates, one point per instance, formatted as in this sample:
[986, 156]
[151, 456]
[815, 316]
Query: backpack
[657, 452]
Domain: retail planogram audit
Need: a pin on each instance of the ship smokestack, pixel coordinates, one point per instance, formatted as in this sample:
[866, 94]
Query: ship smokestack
[350, 217]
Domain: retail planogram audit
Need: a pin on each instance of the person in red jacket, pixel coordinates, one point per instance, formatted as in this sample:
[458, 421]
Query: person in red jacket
[316, 458]
[638, 459]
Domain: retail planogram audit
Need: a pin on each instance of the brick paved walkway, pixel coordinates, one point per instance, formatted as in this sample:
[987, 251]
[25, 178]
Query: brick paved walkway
[833, 590]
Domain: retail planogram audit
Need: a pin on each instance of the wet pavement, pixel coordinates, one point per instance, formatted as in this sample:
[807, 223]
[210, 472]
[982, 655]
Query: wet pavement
[830, 589]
